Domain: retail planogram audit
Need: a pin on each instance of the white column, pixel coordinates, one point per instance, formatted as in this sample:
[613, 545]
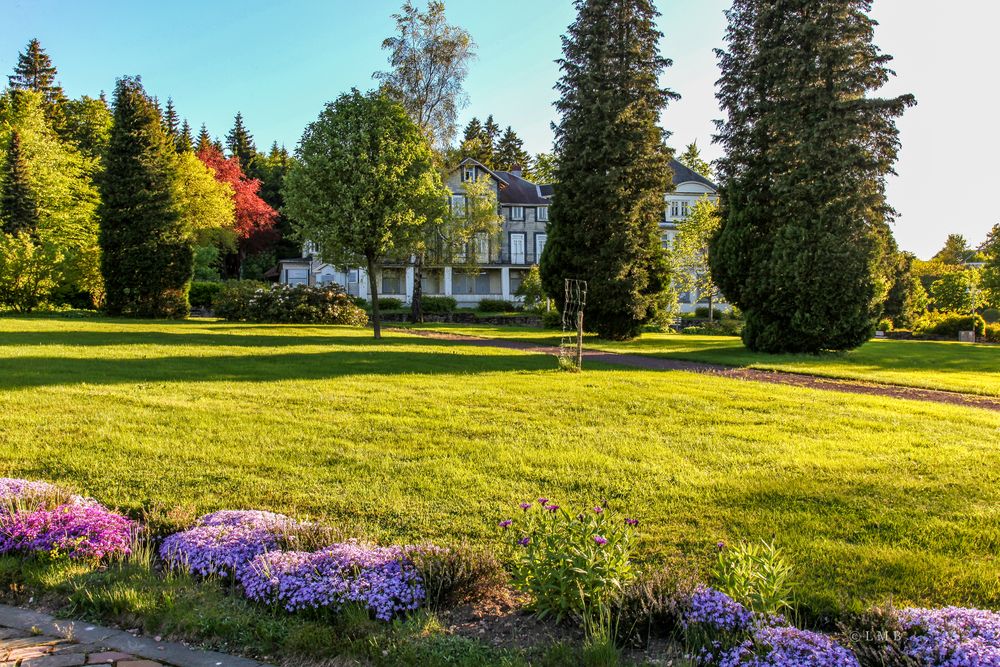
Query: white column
[505, 283]
[409, 284]
[362, 283]
[447, 281]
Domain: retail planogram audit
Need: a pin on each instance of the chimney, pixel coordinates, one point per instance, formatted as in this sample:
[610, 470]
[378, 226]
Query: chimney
[516, 170]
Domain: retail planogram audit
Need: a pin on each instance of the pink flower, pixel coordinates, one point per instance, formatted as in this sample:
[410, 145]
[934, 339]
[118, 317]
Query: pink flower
[506, 523]
[600, 540]
[552, 508]
[598, 510]
[542, 501]
[525, 506]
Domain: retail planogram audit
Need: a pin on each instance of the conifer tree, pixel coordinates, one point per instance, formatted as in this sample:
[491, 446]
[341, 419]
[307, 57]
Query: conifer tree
[803, 246]
[204, 140]
[613, 168]
[691, 158]
[241, 145]
[147, 254]
[510, 153]
[491, 131]
[476, 144]
[473, 130]
[185, 144]
[171, 123]
[18, 207]
[35, 71]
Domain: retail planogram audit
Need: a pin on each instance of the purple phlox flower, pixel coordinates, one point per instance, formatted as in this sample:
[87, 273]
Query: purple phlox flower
[720, 545]
[524, 541]
[552, 508]
[631, 522]
[717, 610]
[83, 531]
[601, 541]
[543, 501]
[506, 523]
[785, 646]
[598, 510]
[952, 636]
[525, 506]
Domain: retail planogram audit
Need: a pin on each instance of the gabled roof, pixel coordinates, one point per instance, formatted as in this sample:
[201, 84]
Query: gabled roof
[477, 163]
[520, 191]
[684, 175]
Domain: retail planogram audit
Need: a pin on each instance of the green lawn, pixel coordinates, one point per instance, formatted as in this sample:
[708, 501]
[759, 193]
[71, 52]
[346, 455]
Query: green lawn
[415, 439]
[961, 367]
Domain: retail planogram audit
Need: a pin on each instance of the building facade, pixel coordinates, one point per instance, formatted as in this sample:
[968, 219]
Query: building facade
[501, 263]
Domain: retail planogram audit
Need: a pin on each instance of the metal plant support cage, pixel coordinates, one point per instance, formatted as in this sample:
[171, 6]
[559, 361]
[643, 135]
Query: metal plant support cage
[571, 346]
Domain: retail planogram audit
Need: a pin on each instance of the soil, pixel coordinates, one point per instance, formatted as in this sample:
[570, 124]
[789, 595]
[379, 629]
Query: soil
[751, 374]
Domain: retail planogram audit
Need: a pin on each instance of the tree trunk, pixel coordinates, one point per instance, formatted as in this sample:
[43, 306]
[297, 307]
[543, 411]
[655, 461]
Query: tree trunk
[416, 302]
[711, 306]
[373, 293]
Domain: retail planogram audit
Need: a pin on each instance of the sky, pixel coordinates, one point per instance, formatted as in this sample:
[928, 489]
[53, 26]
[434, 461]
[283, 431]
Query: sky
[279, 62]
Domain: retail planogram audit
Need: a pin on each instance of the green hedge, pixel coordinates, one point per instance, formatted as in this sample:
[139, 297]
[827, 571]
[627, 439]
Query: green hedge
[251, 301]
[949, 324]
[992, 333]
[203, 293]
[496, 306]
[389, 303]
[438, 305]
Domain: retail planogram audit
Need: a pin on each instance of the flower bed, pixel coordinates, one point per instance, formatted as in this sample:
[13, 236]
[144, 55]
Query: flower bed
[382, 579]
[952, 637]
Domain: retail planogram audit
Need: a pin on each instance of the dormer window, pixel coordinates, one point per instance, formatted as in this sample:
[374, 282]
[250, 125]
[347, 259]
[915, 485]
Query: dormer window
[469, 174]
[517, 213]
[542, 213]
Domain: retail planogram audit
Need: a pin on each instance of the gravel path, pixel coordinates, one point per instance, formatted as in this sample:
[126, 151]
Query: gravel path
[752, 374]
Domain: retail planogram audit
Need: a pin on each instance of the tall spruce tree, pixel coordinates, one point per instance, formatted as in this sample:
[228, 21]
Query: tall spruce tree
[240, 143]
[691, 158]
[18, 207]
[804, 241]
[613, 168]
[35, 72]
[147, 254]
[171, 122]
[185, 144]
[204, 140]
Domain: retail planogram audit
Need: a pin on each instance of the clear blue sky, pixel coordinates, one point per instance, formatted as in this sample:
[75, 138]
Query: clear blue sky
[279, 62]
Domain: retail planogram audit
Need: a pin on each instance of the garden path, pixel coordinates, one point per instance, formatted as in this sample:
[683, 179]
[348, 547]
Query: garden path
[751, 374]
[33, 639]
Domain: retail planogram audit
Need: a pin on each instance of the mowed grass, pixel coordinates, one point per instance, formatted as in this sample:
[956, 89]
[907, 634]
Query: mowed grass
[414, 439]
[944, 365]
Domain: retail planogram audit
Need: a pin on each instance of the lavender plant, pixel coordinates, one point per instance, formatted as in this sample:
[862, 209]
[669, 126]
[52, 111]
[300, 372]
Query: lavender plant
[571, 565]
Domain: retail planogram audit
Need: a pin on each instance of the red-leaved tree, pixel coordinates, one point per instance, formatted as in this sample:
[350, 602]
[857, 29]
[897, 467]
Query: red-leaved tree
[255, 220]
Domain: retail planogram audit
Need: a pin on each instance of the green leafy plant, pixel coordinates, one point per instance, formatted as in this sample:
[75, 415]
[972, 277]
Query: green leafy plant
[439, 305]
[496, 306]
[756, 575]
[203, 293]
[571, 565]
[389, 303]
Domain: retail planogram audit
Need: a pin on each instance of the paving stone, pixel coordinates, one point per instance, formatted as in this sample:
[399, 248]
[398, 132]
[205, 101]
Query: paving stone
[58, 660]
[108, 657]
[22, 641]
[139, 663]
[28, 652]
[10, 633]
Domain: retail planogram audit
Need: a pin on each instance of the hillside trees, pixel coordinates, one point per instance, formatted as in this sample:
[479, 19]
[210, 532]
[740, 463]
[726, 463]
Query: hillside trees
[613, 167]
[805, 234]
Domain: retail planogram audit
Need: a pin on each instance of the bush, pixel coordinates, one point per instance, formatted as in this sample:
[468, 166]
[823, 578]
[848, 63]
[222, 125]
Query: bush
[552, 319]
[991, 315]
[949, 324]
[457, 575]
[885, 324]
[438, 305]
[571, 566]
[389, 303]
[531, 289]
[720, 328]
[495, 306]
[754, 575]
[702, 313]
[203, 293]
[992, 333]
[248, 301]
[654, 603]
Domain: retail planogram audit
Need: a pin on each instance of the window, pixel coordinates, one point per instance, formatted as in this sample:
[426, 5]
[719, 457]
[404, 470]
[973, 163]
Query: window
[675, 209]
[516, 278]
[458, 204]
[685, 211]
[471, 283]
[392, 281]
[542, 214]
[481, 243]
[469, 174]
[517, 213]
[296, 276]
[517, 243]
[540, 240]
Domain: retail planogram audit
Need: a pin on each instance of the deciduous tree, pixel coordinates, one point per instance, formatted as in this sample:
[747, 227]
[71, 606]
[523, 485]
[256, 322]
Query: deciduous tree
[805, 232]
[689, 252]
[363, 179]
[613, 169]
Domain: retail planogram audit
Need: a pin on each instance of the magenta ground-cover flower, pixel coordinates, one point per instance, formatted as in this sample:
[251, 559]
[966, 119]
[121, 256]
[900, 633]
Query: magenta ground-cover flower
[78, 530]
[952, 636]
[382, 579]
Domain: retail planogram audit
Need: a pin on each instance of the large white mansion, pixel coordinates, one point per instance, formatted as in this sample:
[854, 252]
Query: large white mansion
[502, 265]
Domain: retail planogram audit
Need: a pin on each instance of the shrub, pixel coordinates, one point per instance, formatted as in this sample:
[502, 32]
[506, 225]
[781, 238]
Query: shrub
[885, 324]
[949, 324]
[359, 302]
[756, 575]
[991, 315]
[531, 290]
[655, 601]
[203, 293]
[389, 303]
[719, 328]
[702, 313]
[381, 579]
[29, 271]
[247, 301]
[552, 319]
[454, 575]
[992, 333]
[571, 565]
[438, 305]
[495, 306]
